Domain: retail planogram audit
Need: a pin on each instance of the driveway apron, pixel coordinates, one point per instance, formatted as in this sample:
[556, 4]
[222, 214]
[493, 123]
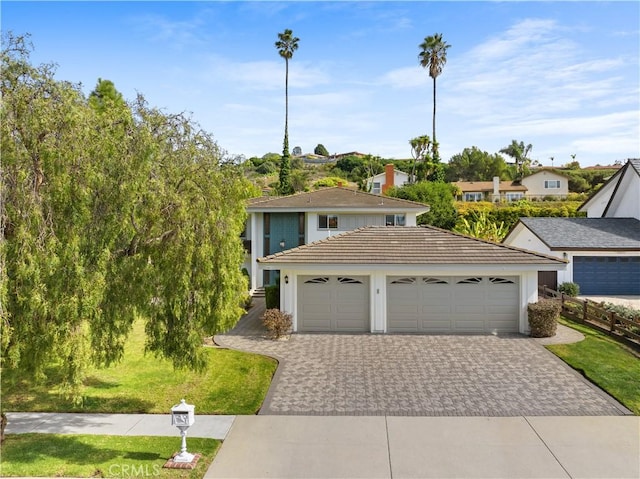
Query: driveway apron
[417, 375]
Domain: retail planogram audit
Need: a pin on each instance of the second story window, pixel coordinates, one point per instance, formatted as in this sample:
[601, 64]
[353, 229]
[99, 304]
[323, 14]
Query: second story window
[552, 184]
[327, 222]
[376, 189]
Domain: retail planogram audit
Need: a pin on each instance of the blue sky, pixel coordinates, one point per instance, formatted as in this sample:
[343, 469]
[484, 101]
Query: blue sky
[563, 76]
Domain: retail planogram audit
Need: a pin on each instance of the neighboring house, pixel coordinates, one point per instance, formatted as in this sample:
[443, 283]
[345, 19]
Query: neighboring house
[280, 223]
[603, 249]
[390, 177]
[603, 253]
[412, 279]
[539, 185]
[495, 190]
[619, 197]
[546, 183]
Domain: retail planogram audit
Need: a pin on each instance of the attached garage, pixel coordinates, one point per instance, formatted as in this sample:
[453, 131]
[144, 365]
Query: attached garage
[453, 304]
[604, 275]
[390, 279]
[333, 303]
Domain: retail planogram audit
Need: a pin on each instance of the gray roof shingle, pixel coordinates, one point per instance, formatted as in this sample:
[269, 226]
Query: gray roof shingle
[334, 199]
[407, 245]
[586, 233]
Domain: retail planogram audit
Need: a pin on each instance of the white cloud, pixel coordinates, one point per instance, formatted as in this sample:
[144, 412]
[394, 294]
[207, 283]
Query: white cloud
[264, 75]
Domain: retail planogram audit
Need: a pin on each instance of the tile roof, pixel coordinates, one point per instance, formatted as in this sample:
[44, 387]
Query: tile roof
[586, 233]
[335, 199]
[405, 245]
[470, 186]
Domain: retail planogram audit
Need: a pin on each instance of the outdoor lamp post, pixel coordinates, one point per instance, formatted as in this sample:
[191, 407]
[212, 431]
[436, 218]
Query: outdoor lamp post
[183, 417]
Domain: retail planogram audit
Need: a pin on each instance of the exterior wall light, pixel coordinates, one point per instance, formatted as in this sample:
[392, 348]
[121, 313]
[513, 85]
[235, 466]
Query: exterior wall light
[286, 279]
[282, 243]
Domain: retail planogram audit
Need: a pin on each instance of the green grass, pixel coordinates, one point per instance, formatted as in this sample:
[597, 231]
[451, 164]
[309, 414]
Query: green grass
[232, 383]
[57, 455]
[605, 362]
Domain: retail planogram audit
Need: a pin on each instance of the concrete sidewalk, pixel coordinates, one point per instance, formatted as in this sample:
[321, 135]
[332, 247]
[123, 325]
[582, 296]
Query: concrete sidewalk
[206, 426]
[430, 447]
[385, 446]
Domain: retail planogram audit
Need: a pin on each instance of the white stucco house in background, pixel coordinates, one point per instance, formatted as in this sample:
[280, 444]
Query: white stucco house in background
[390, 177]
[603, 249]
[279, 223]
[537, 186]
[546, 183]
[408, 279]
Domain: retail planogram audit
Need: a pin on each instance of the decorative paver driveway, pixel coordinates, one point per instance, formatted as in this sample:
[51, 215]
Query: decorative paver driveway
[375, 374]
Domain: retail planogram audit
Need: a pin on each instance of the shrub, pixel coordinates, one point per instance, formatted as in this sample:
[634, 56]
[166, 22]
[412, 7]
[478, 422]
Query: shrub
[266, 168]
[570, 289]
[272, 296]
[278, 323]
[624, 311]
[329, 181]
[543, 317]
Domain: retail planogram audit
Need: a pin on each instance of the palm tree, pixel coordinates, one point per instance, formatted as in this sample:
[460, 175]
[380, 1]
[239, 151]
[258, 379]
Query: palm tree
[286, 45]
[433, 55]
[520, 154]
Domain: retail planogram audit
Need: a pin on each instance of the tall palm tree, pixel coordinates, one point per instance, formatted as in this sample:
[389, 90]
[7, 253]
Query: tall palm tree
[286, 45]
[433, 55]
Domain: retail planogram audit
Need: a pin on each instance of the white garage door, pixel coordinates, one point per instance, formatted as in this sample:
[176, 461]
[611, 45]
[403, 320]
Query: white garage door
[452, 304]
[333, 303]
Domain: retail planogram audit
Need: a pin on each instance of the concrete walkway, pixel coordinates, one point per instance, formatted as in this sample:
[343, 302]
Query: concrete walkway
[430, 447]
[206, 426]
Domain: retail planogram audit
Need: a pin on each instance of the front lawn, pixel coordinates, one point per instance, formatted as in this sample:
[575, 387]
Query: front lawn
[57, 455]
[233, 383]
[605, 362]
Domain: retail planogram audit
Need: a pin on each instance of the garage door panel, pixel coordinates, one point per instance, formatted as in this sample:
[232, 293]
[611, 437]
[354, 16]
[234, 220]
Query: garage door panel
[405, 326]
[435, 326]
[607, 274]
[473, 304]
[504, 325]
[466, 325]
[333, 303]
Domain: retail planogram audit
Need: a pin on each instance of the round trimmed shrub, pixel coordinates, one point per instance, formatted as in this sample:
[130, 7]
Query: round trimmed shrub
[278, 323]
[543, 317]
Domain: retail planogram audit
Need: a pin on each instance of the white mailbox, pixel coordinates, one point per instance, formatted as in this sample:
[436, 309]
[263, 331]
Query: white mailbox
[183, 417]
[183, 414]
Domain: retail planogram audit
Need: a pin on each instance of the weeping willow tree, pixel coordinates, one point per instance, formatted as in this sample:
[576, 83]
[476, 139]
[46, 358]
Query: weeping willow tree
[111, 211]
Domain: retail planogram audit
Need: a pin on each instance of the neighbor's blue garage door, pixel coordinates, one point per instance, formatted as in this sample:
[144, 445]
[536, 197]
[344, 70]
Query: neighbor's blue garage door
[607, 274]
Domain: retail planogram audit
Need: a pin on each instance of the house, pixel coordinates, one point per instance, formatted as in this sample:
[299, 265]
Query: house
[390, 177]
[408, 279]
[603, 253]
[619, 197]
[495, 190]
[603, 249]
[539, 185]
[279, 223]
[546, 183]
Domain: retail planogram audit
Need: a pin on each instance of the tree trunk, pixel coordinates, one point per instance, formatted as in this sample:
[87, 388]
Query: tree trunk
[286, 104]
[434, 111]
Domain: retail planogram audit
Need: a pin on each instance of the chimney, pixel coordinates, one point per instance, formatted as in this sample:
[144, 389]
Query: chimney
[389, 177]
[496, 188]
